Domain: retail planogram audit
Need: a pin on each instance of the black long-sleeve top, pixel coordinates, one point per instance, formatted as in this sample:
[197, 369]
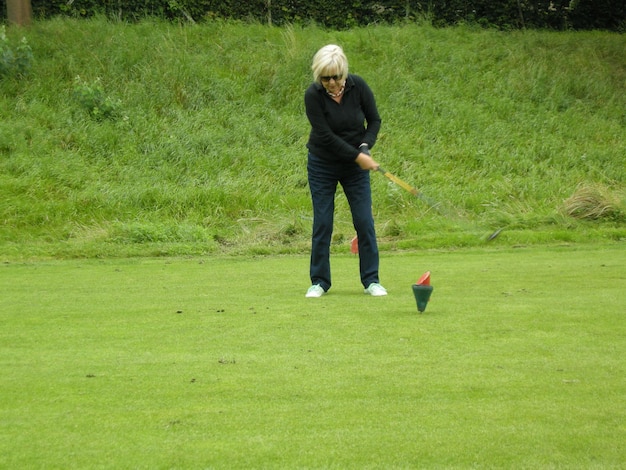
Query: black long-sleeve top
[337, 129]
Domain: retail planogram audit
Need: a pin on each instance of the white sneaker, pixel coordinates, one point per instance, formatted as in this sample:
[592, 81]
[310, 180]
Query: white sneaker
[315, 291]
[375, 290]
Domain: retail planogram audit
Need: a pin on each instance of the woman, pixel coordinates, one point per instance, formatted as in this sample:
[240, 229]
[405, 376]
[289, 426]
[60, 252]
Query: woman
[344, 126]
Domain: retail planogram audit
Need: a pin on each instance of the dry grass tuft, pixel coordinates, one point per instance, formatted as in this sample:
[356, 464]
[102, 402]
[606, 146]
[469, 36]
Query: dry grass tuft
[594, 202]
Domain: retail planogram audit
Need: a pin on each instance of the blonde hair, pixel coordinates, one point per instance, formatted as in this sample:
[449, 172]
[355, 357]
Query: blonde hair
[329, 60]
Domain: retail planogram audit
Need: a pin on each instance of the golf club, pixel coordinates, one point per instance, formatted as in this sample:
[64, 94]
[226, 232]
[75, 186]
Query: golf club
[409, 188]
[431, 203]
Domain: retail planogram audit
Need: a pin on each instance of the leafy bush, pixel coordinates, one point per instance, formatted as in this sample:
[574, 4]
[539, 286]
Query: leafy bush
[14, 61]
[504, 14]
[94, 101]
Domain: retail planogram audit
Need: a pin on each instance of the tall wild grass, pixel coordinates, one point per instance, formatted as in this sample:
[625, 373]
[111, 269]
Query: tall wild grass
[167, 138]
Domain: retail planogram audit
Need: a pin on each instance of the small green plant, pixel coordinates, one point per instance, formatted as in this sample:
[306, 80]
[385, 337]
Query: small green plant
[14, 62]
[94, 101]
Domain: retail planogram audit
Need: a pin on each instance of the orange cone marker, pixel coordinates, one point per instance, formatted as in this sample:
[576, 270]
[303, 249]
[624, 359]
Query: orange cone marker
[354, 246]
[424, 280]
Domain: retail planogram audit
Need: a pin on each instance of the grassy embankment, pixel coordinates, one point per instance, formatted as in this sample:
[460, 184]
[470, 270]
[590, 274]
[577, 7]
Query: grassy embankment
[158, 138]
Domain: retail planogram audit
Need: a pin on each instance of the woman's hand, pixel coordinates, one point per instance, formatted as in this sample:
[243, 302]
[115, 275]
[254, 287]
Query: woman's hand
[366, 162]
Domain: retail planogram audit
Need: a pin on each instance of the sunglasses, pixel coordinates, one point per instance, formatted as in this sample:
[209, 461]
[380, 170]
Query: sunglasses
[329, 77]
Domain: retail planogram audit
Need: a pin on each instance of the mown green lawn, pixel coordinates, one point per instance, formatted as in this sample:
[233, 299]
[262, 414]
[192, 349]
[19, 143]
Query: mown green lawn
[518, 362]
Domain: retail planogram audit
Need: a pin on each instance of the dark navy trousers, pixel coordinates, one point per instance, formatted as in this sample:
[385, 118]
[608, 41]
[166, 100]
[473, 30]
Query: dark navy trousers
[323, 178]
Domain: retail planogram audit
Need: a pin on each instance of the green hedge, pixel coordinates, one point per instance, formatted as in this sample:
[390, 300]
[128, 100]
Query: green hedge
[337, 14]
